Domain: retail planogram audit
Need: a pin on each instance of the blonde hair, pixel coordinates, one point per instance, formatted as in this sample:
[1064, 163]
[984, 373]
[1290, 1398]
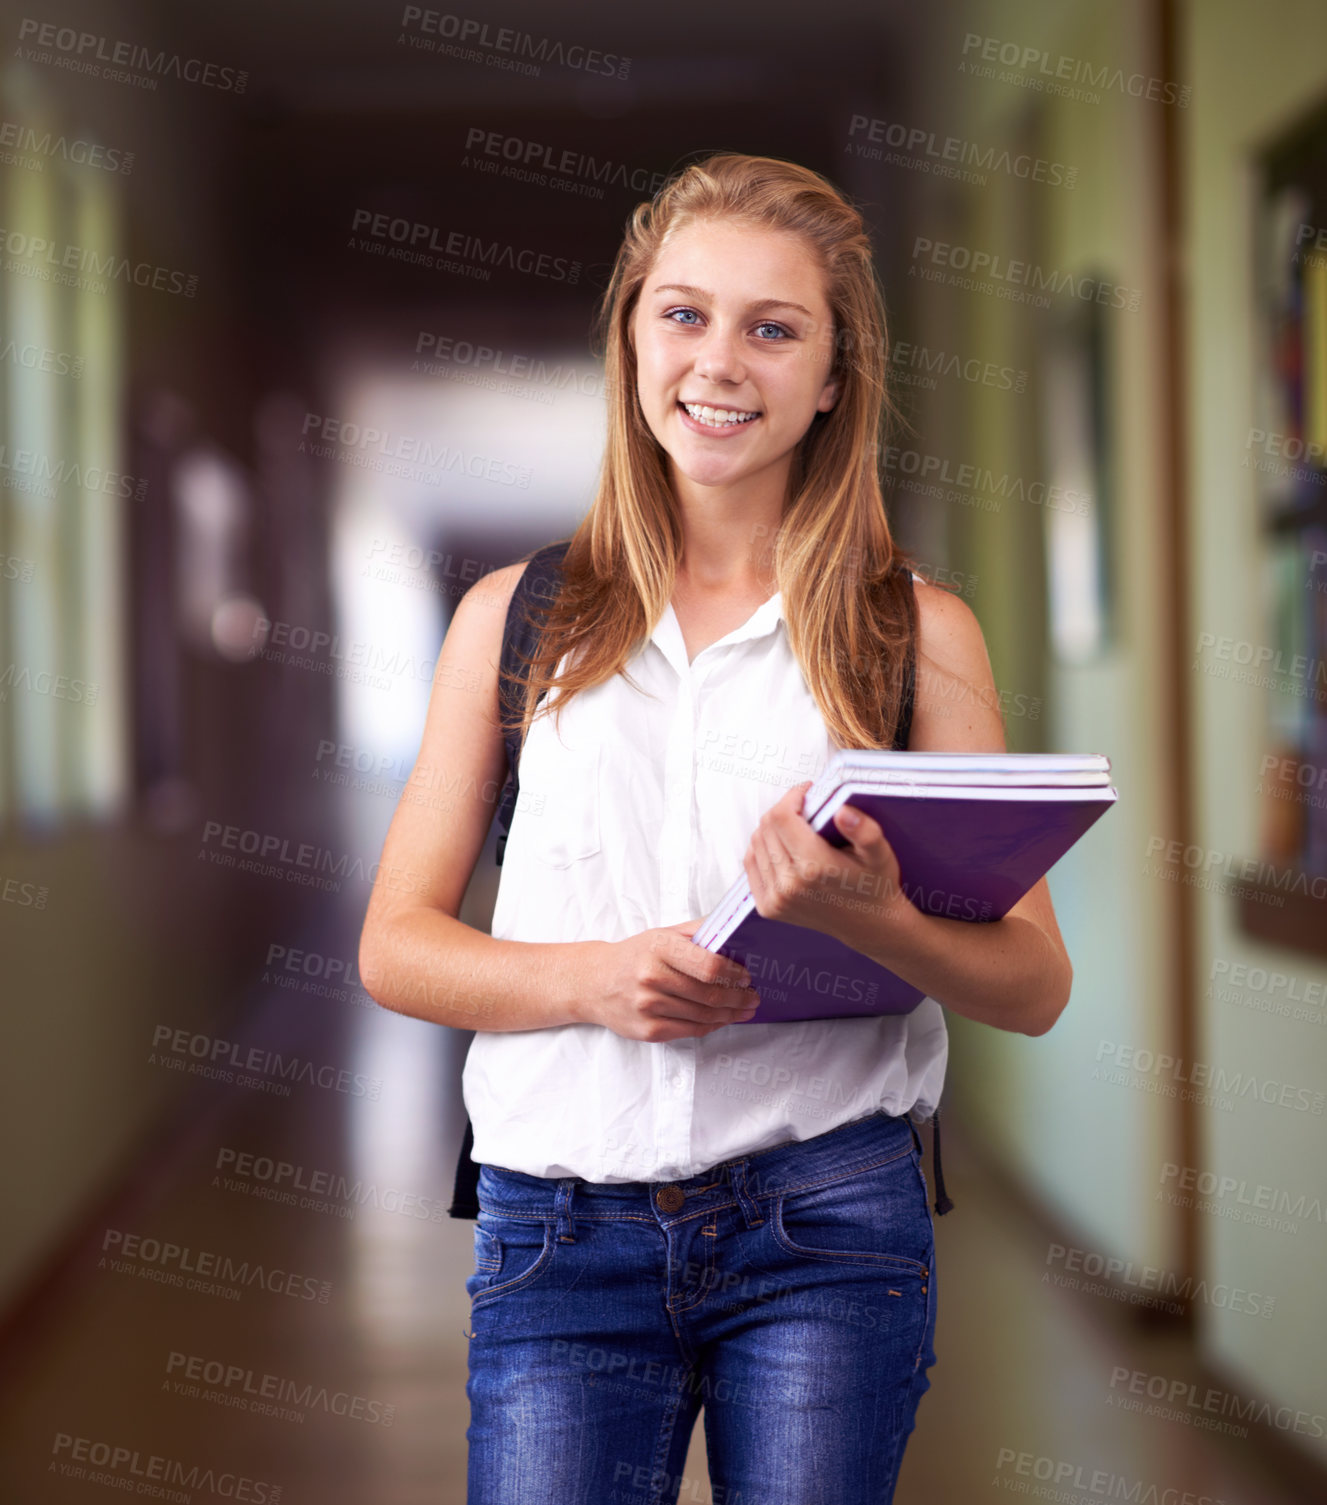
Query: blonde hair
[847, 602]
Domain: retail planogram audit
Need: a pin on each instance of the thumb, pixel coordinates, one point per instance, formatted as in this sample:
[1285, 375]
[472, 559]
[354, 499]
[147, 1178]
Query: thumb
[858, 828]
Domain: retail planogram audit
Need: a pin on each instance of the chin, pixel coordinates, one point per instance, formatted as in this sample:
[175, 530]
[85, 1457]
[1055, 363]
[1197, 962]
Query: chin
[712, 475]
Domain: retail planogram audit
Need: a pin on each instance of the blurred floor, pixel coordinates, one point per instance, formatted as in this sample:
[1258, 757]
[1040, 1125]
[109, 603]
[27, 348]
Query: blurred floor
[368, 1401]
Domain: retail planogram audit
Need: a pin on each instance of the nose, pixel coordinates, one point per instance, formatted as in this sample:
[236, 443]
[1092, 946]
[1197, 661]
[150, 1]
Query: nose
[719, 357]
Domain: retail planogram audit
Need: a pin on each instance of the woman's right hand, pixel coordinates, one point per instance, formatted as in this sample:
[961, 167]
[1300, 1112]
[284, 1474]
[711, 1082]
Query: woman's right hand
[659, 985]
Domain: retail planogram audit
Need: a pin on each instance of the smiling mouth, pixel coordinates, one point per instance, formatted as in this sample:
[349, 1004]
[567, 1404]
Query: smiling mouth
[717, 418]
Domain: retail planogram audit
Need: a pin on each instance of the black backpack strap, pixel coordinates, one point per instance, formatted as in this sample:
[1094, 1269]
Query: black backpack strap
[465, 1189]
[943, 1201]
[909, 670]
[535, 588]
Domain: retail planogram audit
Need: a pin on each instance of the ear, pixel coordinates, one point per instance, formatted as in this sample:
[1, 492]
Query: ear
[829, 395]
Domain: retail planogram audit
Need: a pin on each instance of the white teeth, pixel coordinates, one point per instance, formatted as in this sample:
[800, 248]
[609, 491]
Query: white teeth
[718, 417]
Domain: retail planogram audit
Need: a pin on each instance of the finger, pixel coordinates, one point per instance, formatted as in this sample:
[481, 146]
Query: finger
[862, 830]
[683, 1004]
[795, 798]
[698, 1015]
[709, 995]
[762, 880]
[706, 965]
[789, 863]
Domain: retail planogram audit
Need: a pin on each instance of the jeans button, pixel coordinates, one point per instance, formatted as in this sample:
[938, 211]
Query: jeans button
[670, 1198]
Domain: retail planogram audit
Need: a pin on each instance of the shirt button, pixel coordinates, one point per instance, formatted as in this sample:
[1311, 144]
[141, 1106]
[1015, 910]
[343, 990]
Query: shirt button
[679, 1083]
[670, 1198]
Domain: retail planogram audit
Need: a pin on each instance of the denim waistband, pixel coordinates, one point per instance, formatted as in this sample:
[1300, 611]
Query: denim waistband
[744, 1179]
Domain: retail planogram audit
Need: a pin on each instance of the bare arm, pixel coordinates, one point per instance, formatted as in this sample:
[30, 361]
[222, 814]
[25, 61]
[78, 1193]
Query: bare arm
[1013, 973]
[418, 958]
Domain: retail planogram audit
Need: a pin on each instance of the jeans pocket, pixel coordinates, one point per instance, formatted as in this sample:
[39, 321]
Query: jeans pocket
[510, 1254]
[876, 1217]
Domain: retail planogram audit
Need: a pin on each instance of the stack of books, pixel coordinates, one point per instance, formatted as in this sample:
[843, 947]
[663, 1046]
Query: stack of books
[973, 832]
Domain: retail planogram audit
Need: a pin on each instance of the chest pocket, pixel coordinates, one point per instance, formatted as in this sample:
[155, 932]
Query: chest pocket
[561, 796]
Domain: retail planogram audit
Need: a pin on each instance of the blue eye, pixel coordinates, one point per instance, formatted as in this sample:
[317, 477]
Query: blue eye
[769, 325]
[672, 311]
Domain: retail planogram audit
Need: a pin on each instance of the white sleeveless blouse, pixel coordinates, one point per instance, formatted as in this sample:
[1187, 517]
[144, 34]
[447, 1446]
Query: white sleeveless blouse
[635, 814]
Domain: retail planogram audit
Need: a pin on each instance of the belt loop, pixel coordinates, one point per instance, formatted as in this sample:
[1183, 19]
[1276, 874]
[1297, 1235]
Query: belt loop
[737, 1174]
[943, 1202]
[562, 1207]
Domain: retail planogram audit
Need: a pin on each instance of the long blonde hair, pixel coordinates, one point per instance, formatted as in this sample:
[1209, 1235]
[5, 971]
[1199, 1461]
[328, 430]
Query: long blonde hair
[847, 601]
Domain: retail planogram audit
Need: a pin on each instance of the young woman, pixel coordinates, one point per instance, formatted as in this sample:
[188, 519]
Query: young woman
[680, 1209]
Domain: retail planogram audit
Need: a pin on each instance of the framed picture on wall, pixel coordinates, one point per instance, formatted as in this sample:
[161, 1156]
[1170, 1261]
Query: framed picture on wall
[1078, 502]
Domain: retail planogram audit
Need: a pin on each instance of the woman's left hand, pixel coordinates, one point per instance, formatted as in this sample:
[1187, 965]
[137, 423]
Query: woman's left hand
[852, 893]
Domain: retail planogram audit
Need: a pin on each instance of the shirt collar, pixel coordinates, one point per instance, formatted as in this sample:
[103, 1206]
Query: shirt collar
[667, 634]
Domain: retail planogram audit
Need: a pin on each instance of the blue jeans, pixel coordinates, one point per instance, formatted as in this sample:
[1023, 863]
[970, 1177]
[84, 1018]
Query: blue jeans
[790, 1293]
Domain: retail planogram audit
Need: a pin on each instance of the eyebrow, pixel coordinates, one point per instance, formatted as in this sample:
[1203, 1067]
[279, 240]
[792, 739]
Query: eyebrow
[759, 306]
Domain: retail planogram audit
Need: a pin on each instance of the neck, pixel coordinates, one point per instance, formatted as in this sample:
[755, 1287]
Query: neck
[728, 533]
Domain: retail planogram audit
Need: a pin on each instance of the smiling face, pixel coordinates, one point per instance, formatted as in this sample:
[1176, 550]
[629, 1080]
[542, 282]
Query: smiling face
[732, 359]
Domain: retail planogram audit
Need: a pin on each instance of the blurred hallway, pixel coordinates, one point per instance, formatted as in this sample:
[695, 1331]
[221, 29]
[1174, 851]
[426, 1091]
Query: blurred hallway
[256, 440]
[344, 1282]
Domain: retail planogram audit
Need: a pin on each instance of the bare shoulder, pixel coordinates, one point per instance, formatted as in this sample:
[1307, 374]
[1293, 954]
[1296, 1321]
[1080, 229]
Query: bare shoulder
[956, 701]
[480, 617]
[491, 594]
[948, 632]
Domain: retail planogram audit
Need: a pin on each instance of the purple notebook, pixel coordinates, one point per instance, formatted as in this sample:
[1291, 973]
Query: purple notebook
[969, 846]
